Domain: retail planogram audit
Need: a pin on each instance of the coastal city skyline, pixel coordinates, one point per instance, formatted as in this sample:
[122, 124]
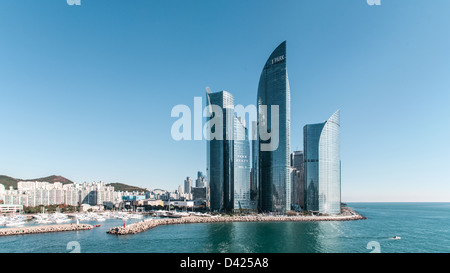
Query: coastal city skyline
[267, 177]
[110, 121]
[224, 135]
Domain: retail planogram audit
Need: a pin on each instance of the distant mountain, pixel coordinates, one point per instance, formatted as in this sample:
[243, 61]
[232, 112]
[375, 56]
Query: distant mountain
[8, 181]
[51, 179]
[124, 187]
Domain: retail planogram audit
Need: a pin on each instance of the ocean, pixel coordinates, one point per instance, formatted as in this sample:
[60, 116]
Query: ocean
[423, 228]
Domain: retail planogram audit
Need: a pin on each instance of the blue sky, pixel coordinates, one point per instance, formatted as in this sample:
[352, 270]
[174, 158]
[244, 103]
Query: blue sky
[86, 91]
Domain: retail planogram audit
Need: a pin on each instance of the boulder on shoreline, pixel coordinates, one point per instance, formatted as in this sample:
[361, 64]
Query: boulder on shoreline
[149, 224]
[43, 229]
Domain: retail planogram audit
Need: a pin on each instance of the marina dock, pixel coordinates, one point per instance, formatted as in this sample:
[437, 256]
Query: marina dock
[43, 229]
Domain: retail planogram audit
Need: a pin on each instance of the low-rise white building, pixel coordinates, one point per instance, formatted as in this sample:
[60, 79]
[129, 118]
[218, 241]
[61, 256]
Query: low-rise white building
[10, 208]
[180, 203]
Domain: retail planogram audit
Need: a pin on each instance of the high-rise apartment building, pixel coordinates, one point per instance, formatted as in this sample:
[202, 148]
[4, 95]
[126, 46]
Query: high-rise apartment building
[323, 165]
[187, 185]
[200, 182]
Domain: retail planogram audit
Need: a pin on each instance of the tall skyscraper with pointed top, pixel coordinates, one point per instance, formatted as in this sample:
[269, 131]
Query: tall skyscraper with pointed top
[322, 165]
[274, 166]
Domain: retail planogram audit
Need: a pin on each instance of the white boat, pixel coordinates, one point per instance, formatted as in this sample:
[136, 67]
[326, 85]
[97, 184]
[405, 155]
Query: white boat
[206, 215]
[14, 224]
[43, 221]
[61, 220]
[58, 221]
[82, 218]
[105, 215]
[396, 237]
[12, 221]
[161, 213]
[136, 216]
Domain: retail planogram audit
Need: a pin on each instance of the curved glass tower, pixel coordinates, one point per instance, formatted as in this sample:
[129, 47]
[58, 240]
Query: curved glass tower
[323, 165]
[274, 166]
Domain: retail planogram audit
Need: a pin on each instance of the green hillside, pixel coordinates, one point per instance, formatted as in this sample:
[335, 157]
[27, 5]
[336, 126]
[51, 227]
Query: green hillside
[124, 187]
[51, 179]
[8, 181]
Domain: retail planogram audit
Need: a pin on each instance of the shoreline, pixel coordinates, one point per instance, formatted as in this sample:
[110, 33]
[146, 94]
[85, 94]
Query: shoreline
[44, 229]
[149, 224]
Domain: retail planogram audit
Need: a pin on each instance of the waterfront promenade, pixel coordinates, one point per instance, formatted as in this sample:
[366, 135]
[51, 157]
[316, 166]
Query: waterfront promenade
[149, 224]
[43, 229]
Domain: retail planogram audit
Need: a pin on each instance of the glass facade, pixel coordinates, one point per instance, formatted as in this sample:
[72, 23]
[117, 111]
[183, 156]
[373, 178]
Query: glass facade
[298, 181]
[220, 153]
[241, 166]
[274, 166]
[311, 137]
[254, 192]
[323, 166]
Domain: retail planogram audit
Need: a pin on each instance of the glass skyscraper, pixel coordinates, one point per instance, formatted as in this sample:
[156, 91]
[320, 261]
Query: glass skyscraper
[254, 185]
[298, 181]
[274, 166]
[241, 165]
[200, 175]
[220, 152]
[323, 166]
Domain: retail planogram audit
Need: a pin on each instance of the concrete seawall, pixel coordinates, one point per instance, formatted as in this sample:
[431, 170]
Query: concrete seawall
[148, 224]
[43, 229]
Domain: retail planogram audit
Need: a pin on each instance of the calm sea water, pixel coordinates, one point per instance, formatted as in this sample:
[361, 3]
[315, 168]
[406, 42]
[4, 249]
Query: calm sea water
[423, 227]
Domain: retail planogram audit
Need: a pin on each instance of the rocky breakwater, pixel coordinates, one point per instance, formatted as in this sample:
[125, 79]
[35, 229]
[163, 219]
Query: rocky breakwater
[43, 229]
[148, 224]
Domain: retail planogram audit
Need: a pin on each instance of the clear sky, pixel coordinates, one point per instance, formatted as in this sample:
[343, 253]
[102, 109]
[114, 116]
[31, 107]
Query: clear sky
[86, 91]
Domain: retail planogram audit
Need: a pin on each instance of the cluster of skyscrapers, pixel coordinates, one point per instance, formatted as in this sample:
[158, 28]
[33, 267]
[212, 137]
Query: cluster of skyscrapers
[262, 173]
[191, 192]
